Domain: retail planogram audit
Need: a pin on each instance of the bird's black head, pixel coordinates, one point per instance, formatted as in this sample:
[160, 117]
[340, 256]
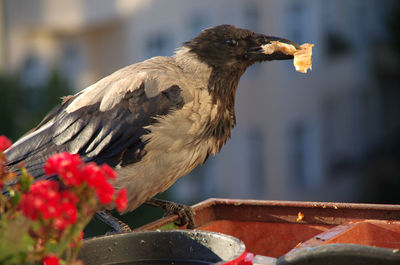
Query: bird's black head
[229, 50]
[230, 47]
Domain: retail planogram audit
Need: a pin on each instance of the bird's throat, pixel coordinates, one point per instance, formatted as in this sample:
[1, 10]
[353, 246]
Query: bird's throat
[222, 88]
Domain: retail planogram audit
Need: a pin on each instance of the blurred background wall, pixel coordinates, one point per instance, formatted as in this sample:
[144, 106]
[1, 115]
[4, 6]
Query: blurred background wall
[330, 135]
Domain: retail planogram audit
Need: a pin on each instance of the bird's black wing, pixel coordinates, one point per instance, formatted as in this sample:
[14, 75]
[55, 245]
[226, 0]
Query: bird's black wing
[111, 136]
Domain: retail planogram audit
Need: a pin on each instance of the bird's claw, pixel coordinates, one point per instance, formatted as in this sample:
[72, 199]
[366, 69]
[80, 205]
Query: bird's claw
[185, 213]
[117, 225]
[124, 228]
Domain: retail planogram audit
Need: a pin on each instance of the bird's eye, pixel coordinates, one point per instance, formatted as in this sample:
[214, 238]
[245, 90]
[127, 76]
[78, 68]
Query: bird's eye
[232, 42]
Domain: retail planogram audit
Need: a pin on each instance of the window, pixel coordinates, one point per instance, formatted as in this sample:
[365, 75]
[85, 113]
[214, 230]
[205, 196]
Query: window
[297, 153]
[336, 43]
[252, 17]
[71, 62]
[34, 75]
[256, 160]
[197, 23]
[296, 21]
[34, 71]
[158, 44]
[304, 155]
[242, 164]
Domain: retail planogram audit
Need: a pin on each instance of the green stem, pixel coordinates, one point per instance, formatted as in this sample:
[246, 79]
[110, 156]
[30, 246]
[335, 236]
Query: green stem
[70, 235]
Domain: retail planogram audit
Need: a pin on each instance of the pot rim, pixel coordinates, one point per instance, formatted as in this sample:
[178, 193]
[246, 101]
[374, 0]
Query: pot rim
[104, 244]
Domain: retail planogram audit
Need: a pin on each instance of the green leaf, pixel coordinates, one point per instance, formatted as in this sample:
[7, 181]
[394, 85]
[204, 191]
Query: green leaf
[25, 180]
[169, 226]
[15, 198]
[15, 241]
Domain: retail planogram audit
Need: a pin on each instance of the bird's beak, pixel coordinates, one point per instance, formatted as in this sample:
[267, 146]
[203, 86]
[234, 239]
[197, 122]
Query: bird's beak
[260, 42]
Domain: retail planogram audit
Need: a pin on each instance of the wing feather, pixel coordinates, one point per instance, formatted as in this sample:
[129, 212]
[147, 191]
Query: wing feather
[111, 135]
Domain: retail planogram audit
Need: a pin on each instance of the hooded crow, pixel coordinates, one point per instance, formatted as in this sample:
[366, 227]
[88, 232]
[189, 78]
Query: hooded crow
[152, 121]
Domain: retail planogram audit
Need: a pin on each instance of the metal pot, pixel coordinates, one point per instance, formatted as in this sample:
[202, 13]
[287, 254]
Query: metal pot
[164, 247]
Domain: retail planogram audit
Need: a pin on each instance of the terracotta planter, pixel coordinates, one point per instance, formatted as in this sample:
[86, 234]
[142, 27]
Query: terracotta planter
[276, 228]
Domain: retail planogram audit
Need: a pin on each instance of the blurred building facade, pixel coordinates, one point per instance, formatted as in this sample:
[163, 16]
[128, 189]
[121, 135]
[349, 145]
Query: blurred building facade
[298, 137]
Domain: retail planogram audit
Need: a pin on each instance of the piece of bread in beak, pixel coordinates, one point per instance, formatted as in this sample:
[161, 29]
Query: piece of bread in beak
[302, 60]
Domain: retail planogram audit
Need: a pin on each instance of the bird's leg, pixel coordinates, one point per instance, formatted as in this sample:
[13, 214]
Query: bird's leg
[185, 213]
[113, 222]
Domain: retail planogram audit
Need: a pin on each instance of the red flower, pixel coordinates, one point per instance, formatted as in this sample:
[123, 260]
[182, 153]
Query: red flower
[121, 200]
[43, 199]
[44, 188]
[71, 177]
[60, 223]
[109, 172]
[105, 193]
[30, 206]
[68, 216]
[96, 177]
[68, 196]
[4, 143]
[51, 259]
[50, 210]
[69, 212]
[93, 176]
[67, 166]
[52, 164]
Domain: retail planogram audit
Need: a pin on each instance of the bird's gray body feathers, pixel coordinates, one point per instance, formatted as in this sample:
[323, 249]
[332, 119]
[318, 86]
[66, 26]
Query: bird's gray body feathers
[132, 116]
